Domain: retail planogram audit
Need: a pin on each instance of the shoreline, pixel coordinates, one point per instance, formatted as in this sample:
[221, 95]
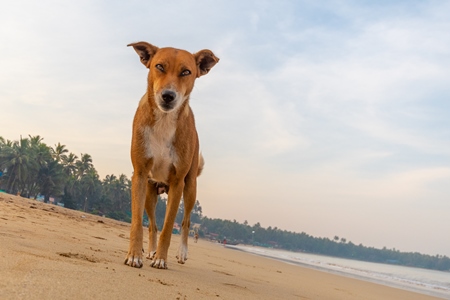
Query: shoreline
[50, 252]
[435, 292]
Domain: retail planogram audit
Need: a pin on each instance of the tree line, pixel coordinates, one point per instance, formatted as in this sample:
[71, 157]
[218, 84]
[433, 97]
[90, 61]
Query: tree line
[236, 232]
[31, 168]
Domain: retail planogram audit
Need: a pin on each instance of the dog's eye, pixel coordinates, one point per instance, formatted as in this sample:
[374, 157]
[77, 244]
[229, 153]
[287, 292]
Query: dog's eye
[160, 67]
[185, 73]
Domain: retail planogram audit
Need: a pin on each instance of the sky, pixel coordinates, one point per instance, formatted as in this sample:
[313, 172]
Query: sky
[325, 117]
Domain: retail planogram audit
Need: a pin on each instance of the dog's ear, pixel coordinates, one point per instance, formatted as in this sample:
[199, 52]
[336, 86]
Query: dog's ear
[205, 60]
[145, 51]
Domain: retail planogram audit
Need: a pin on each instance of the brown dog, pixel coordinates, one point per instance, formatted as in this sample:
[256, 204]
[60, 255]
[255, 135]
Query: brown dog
[165, 148]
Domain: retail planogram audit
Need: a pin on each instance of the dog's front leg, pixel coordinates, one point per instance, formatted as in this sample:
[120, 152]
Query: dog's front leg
[189, 198]
[150, 205]
[138, 189]
[173, 202]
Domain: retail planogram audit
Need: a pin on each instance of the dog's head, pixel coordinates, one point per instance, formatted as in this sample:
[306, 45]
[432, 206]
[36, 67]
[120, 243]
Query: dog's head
[172, 72]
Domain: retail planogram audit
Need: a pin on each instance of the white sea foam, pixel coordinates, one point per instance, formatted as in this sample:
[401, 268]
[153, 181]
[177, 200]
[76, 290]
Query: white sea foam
[431, 282]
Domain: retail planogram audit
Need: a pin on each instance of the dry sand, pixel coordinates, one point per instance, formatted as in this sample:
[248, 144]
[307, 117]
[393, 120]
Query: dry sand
[48, 252]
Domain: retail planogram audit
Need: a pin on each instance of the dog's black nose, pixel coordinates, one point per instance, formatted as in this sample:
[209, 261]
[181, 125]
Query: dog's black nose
[168, 96]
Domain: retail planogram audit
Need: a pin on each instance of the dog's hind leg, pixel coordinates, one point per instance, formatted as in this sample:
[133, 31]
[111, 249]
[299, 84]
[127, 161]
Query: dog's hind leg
[150, 206]
[189, 197]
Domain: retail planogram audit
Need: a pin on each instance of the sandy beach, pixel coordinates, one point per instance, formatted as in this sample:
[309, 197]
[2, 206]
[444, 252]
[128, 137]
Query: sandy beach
[49, 252]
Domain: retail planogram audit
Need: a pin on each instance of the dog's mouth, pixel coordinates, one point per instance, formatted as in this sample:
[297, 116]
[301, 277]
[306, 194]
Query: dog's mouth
[166, 107]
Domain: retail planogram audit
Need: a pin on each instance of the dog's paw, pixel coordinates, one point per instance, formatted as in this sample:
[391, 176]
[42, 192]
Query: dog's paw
[151, 255]
[182, 254]
[159, 263]
[134, 261]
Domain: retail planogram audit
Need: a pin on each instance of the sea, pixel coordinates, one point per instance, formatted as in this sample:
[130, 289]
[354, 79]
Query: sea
[424, 281]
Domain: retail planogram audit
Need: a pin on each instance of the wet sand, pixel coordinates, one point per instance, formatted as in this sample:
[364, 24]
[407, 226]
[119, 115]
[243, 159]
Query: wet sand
[49, 252]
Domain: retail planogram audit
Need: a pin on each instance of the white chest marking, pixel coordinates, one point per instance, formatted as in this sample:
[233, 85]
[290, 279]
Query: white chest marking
[159, 146]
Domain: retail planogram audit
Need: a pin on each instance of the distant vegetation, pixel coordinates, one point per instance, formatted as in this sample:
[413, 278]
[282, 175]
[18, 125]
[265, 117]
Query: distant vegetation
[32, 169]
[235, 232]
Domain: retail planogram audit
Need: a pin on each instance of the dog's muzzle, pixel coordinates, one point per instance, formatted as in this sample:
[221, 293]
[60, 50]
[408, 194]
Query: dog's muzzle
[168, 98]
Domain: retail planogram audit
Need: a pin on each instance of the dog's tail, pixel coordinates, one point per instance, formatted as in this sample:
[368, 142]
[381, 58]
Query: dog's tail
[201, 164]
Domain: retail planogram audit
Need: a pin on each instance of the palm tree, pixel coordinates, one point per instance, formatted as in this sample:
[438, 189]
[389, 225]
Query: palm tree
[2, 144]
[70, 170]
[5, 148]
[40, 156]
[51, 179]
[89, 182]
[109, 179]
[16, 161]
[84, 165]
[69, 163]
[35, 140]
[125, 192]
[58, 152]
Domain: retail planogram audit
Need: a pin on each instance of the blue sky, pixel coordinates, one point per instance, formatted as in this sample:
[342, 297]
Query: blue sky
[329, 117]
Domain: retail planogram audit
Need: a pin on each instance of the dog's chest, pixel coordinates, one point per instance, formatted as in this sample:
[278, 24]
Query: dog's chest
[158, 145]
